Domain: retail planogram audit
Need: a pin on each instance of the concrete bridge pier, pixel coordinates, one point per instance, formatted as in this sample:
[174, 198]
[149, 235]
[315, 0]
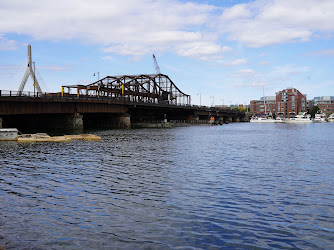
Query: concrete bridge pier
[221, 120]
[124, 121]
[0, 122]
[193, 118]
[74, 121]
[236, 119]
[229, 119]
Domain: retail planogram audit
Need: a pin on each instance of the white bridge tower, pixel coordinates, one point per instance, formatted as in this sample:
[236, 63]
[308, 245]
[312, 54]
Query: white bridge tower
[29, 72]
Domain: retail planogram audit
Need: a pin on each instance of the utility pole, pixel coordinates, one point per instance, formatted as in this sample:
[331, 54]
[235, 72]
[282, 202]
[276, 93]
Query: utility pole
[98, 75]
[213, 101]
[200, 99]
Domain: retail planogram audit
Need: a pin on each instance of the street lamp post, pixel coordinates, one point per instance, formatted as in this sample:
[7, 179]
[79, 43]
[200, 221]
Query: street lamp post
[200, 99]
[98, 75]
[213, 101]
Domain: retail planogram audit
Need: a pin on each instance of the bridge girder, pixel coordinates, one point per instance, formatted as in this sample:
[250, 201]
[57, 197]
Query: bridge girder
[156, 88]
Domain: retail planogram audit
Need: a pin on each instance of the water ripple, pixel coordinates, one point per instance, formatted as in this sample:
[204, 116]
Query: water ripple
[233, 186]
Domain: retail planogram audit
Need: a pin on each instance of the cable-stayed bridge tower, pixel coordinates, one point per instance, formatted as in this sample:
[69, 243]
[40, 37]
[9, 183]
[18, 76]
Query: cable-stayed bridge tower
[29, 72]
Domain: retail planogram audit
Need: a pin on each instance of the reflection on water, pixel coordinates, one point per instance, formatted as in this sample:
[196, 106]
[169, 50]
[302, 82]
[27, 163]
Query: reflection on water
[233, 186]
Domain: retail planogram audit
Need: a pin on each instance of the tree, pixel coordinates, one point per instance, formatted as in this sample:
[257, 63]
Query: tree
[314, 111]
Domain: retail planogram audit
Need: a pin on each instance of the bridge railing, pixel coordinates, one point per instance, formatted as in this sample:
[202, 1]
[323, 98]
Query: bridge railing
[117, 100]
[59, 95]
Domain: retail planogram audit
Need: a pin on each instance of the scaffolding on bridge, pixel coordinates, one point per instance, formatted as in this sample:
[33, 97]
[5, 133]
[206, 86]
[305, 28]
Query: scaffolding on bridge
[153, 88]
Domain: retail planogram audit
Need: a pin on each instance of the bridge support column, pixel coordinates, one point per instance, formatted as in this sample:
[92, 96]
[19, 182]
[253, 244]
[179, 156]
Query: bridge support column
[0, 122]
[229, 119]
[242, 119]
[124, 121]
[236, 119]
[74, 121]
[221, 120]
[193, 118]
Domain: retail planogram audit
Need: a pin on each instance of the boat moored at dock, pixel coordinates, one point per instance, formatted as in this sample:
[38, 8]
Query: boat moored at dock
[300, 118]
[319, 117]
[256, 119]
[330, 118]
[8, 134]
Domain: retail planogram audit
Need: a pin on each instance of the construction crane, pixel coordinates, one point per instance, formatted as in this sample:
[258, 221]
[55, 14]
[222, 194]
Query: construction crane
[157, 69]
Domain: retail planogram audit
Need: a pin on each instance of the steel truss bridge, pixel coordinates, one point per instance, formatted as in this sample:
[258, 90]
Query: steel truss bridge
[153, 88]
[114, 101]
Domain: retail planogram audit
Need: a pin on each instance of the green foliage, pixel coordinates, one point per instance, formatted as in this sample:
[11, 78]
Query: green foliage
[314, 111]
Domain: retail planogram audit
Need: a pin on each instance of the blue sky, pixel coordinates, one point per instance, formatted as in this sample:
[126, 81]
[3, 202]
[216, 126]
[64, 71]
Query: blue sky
[222, 51]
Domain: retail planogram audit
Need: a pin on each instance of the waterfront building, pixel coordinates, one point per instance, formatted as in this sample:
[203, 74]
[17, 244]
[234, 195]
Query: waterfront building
[325, 103]
[290, 102]
[266, 104]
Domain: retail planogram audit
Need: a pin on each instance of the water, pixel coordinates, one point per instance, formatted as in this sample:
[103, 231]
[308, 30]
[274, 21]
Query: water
[236, 186]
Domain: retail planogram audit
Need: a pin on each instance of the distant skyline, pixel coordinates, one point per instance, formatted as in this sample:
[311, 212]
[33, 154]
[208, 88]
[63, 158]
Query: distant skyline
[226, 51]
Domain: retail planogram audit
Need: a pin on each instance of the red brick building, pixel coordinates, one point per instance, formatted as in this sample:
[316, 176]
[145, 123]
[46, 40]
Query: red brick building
[325, 104]
[290, 102]
[266, 104]
[287, 103]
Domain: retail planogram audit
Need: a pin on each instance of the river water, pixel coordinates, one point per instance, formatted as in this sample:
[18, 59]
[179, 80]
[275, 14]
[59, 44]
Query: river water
[236, 186]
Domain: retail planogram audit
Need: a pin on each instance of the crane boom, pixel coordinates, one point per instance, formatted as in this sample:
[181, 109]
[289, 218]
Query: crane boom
[157, 69]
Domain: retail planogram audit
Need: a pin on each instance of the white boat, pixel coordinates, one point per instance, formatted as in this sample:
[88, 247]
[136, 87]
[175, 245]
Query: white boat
[319, 117]
[300, 118]
[279, 120]
[331, 118]
[256, 119]
[265, 118]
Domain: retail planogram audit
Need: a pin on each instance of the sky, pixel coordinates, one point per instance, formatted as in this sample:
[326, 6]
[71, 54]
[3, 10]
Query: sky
[221, 52]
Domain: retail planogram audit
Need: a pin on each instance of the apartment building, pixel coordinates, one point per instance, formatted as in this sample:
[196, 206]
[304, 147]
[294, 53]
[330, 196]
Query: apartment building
[266, 105]
[289, 102]
[325, 103]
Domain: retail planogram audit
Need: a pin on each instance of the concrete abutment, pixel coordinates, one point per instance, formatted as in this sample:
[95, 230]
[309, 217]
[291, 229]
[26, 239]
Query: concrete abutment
[124, 121]
[74, 121]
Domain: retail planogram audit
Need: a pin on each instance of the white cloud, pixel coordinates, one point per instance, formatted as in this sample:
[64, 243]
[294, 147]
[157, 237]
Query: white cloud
[236, 62]
[252, 84]
[290, 70]
[246, 71]
[238, 11]
[107, 58]
[227, 49]
[261, 23]
[56, 67]
[6, 44]
[132, 27]
[138, 27]
[264, 63]
[328, 52]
